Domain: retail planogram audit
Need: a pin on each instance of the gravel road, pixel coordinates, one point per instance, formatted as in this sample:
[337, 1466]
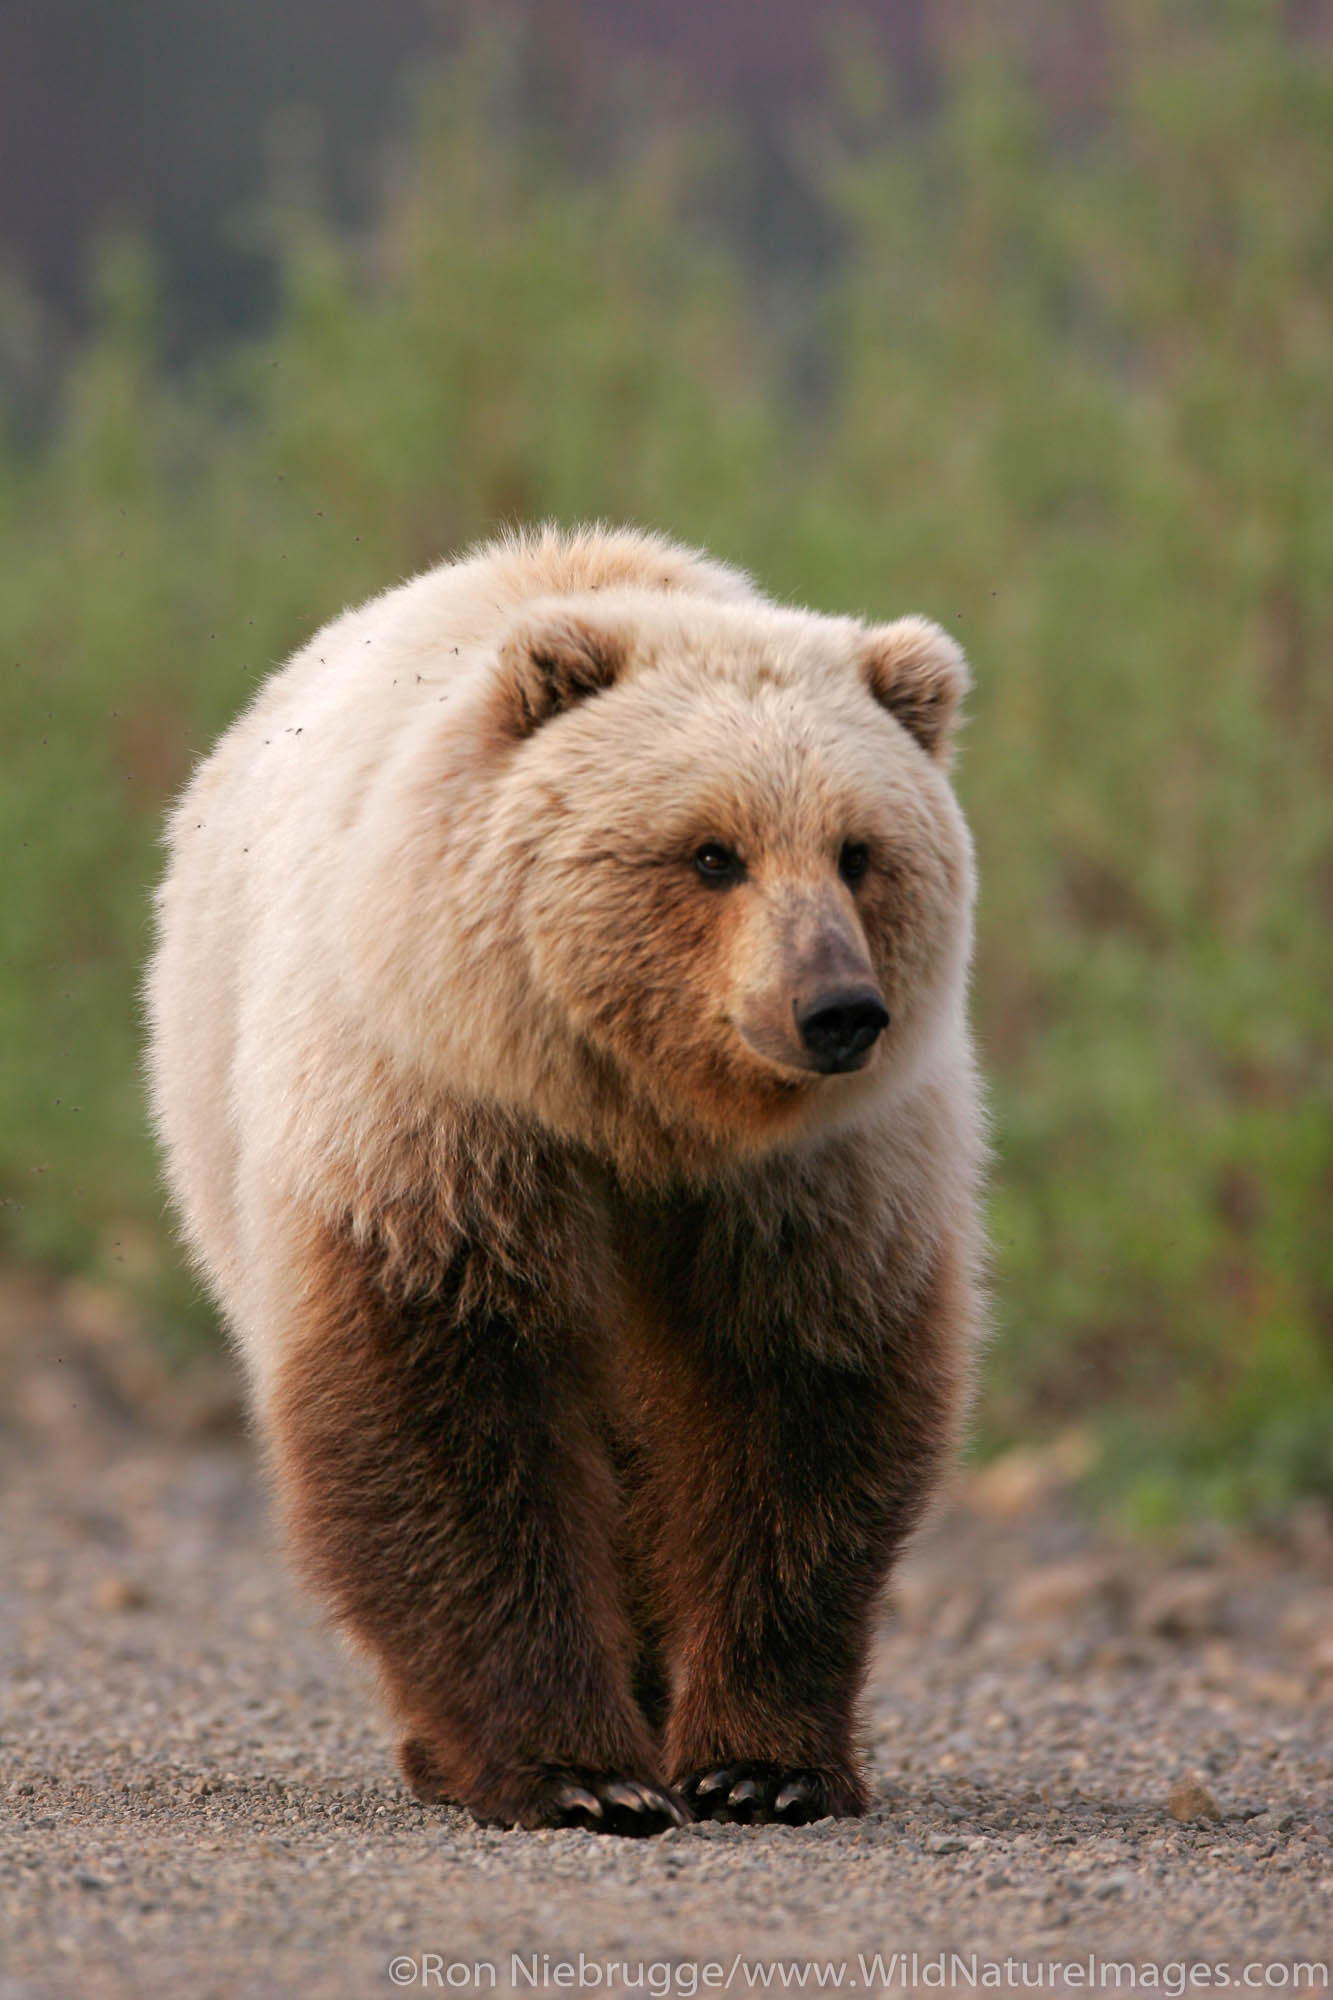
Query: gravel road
[197, 1795]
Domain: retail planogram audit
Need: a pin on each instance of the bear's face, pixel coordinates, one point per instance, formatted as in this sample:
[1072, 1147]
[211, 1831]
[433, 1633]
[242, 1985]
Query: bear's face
[743, 884]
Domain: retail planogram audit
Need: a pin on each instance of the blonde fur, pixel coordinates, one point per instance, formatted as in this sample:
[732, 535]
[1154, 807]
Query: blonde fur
[397, 892]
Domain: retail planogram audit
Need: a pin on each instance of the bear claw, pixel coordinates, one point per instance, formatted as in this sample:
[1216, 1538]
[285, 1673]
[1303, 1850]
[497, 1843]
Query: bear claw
[710, 1782]
[622, 1806]
[554, 1796]
[576, 1798]
[744, 1797]
[759, 1794]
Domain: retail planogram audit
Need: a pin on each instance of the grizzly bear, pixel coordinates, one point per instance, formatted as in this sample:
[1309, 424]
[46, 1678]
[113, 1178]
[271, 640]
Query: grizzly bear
[558, 1042]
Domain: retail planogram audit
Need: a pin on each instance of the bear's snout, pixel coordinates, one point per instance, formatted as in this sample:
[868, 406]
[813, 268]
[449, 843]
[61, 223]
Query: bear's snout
[839, 1027]
[813, 1002]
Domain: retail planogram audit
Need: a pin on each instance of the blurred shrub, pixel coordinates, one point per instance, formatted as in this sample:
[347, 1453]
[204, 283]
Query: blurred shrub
[1066, 383]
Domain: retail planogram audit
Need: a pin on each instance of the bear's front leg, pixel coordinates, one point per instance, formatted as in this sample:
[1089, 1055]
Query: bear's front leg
[446, 1493]
[782, 1484]
[776, 1547]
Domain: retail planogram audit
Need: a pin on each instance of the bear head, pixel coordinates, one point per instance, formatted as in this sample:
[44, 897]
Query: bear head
[741, 884]
[681, 879]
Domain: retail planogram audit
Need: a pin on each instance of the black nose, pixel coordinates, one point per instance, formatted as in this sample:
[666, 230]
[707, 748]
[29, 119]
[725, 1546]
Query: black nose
[838, 1028]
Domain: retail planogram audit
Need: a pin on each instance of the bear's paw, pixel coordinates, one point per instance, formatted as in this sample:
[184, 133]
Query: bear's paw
[752, 1794]
[600, 1802]
[555, 1795]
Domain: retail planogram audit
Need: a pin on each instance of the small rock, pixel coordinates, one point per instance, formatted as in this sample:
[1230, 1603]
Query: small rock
[960, 1616]
[1010, 1485]
[1286, 1690]
[1057, 1590]
[1310, 1529]
[1116, 1656]
[120, 1593]
[1183, 1604]
[1018, 1480]
[87, 1880]
[945, 1843]
[1308, 1620]
[1190, 1800]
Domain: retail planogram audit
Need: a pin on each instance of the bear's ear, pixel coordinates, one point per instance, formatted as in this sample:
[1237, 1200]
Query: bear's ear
[553, 661]
[916, 671]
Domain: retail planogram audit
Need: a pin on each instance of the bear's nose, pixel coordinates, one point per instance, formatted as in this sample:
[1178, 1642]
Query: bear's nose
[838, 1028]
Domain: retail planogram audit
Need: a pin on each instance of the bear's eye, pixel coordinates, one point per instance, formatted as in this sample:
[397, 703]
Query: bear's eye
[853, 862]
[717, 863]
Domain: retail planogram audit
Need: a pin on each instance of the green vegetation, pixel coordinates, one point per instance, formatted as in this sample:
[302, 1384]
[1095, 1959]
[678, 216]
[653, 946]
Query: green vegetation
[1065, 382]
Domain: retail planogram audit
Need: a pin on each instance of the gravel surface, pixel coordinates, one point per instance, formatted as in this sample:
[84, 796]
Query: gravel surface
[1077, 1747]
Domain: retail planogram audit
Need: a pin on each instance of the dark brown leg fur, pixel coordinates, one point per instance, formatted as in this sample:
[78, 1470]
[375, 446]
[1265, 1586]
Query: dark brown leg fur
[593, 1564]
[778, 1487]
[447, 1492]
